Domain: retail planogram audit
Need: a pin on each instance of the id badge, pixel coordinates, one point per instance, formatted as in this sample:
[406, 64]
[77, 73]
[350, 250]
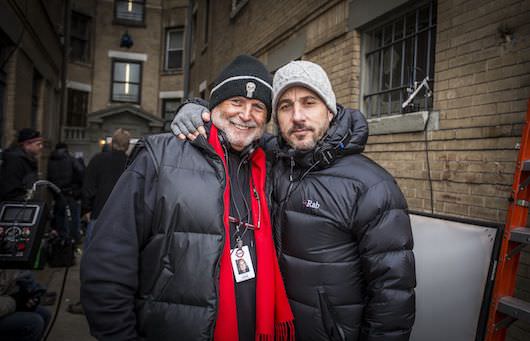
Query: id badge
[242, 264]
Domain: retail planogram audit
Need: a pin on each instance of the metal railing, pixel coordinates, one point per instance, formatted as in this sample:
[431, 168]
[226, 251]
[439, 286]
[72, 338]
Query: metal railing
[74, 133]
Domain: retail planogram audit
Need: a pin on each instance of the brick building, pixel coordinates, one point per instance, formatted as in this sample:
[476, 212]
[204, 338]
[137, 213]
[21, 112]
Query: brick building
[453, 152]
[30, 67]
[125, 68]
[124, 62]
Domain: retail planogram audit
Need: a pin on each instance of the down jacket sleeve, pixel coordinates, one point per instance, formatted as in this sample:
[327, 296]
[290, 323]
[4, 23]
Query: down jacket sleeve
[387, 262]
[109, 267]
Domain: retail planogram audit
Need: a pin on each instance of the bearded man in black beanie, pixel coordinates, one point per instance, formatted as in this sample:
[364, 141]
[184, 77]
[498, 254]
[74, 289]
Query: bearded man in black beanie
[20, 168]
[163, 260]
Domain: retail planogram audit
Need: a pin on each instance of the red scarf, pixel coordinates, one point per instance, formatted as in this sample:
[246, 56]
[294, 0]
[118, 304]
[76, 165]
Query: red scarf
[274, 319]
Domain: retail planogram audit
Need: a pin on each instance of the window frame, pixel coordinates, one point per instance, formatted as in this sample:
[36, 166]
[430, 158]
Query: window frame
[126, 21]
[85, 39]
[71, 92]
[368, 32]
[128, 61]
[167, 49]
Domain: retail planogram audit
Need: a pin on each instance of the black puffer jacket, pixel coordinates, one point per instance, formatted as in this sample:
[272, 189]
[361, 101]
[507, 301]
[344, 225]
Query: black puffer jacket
[18, 172]
[151, 270]
[102, 173]
[346, 241]
[148, 271]
[66, 172]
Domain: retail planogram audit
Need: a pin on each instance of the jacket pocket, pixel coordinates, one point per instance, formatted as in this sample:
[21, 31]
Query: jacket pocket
[329, 317]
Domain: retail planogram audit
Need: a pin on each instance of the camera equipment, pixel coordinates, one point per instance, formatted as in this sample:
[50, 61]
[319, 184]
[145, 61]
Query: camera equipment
[21, 229]
[416, 89]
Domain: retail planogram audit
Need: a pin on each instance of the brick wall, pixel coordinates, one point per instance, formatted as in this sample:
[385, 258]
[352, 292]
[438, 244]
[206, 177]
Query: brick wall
[256, 29]
[481, 89]
[482, 85]
[340, 58]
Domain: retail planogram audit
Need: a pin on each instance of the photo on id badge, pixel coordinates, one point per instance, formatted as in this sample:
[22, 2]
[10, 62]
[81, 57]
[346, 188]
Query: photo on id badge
[242, 264]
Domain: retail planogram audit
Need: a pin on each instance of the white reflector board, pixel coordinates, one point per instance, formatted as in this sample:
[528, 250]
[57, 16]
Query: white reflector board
[452, 262]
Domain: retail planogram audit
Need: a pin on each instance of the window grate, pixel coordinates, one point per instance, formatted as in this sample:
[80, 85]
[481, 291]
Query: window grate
[77, 108]
[398, 53]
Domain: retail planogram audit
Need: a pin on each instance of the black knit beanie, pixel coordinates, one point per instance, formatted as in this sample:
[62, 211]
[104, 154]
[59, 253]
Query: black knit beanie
[246, 76]
[26, 134]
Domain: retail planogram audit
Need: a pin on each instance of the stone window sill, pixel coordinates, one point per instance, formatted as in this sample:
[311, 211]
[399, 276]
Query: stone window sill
[405, 123]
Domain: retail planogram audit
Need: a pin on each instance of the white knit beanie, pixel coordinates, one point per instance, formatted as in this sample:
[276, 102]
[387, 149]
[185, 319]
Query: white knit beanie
[306, 74]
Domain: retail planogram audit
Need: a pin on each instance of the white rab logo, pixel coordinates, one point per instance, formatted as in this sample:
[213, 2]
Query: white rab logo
[311, 204]
[251, 87]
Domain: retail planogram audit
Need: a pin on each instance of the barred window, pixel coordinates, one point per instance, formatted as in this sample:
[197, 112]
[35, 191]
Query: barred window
[126, 81]
[174, 48]
[130, 11]
[399, 55]
[77, 108]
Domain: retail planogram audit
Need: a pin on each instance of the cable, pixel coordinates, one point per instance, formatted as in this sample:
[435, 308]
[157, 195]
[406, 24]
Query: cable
[429, 178]
[60, 299]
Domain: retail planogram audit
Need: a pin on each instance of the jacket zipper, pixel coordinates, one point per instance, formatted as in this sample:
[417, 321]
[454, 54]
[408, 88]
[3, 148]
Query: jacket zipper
[282, 206]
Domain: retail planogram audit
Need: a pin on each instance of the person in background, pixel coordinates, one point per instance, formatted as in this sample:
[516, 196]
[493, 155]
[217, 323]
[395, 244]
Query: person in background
[101, 174]
[21, 316]
[66, 172]
[19, 168]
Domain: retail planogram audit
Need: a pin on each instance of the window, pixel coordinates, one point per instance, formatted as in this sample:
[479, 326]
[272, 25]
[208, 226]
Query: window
[398, 53]
[126, 80]
[170, 106]
[174, 48]
[129, 11]
[80, 38]
[77, 108]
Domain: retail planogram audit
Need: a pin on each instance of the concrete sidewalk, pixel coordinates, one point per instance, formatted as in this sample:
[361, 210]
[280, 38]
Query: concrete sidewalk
[67, 326]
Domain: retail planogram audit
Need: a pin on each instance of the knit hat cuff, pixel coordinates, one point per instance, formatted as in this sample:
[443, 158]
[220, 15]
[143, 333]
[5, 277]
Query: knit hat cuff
[330, 104]
[245, 86]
